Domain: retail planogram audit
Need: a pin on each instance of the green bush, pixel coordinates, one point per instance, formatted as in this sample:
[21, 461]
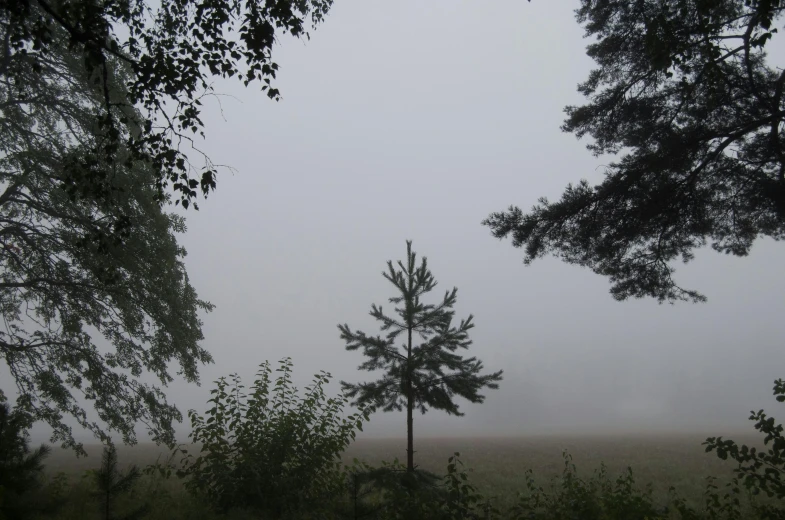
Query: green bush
[759, 472]
[271, 451]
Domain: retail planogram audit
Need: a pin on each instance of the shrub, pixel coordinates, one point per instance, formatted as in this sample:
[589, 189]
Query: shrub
[271, 451]
[760, 472]
[390, 492]
[396, 494]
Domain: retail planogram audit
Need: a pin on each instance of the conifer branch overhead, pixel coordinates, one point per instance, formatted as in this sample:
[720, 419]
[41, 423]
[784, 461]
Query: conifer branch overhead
[684, 94]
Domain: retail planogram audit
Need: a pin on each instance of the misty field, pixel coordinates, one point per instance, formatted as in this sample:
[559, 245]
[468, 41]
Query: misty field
[497, 465]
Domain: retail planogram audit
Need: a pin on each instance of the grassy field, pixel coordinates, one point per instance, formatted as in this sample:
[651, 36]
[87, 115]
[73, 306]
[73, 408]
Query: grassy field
[497, 465]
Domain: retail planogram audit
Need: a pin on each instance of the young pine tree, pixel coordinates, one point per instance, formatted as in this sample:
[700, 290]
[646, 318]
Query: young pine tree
[20, 468]
[111, 483]
[422, 375]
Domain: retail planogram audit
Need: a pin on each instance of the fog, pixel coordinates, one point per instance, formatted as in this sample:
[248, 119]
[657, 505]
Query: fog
[415, 120]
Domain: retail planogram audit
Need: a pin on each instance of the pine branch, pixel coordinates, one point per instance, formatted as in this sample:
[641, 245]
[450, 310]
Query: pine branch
[372, 346]
[127, 481]
[387, 322]
[383, 394]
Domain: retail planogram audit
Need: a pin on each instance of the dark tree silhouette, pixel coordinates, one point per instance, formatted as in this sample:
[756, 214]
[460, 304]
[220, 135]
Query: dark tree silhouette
[425, 375]
[20, 468]
[110, 483]
[172, 49]
[104, 264]
[683, 89]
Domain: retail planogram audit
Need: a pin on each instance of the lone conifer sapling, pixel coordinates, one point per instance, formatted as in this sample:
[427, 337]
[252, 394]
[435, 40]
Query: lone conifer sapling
[423, 370]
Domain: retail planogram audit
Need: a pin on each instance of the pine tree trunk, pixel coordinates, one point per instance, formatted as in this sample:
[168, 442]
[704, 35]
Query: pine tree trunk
[410, 431]
[409, 412]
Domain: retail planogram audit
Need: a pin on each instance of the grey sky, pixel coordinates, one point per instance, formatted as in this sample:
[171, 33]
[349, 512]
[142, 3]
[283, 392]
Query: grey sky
[414, 120]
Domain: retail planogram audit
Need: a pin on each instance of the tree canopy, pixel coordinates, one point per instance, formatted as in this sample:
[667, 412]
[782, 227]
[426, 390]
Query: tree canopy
[172, 50]
[422, 376]
[93, 290]
[684, 93]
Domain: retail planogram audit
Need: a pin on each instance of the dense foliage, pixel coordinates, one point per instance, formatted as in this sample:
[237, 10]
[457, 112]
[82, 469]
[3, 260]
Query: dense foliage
[271, 450]
[428, 375]
[93, 290]
[171, 50]
[684, 92]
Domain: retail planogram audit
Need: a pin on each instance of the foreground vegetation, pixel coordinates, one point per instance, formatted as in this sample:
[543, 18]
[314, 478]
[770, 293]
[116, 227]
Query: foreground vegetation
[274, 452]
[548, 491]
